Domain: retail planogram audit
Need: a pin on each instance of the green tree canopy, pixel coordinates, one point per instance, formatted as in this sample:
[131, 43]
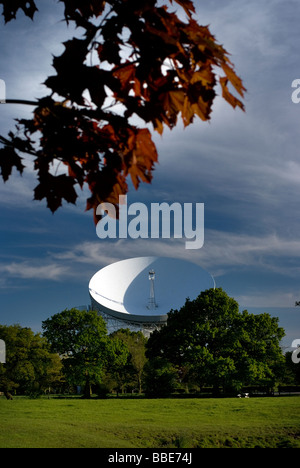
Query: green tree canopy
[212, 343]
[80, 337]
[30, 366]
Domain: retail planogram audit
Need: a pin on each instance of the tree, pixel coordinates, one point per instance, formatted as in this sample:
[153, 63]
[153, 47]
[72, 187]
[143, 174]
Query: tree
[134, 59]
[30, 366]
[136, 344]
[80, 337]
[260, 359]
[160, 378]
[212, 343]
[118, 372]
[292, 371]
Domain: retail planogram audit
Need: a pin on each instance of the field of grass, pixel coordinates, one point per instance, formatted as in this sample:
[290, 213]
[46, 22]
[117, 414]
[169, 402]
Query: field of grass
[145, 423]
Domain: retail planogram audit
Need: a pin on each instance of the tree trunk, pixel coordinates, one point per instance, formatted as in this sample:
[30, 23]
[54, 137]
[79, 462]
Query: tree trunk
[87, 388]
[216, 390]
[8, 395]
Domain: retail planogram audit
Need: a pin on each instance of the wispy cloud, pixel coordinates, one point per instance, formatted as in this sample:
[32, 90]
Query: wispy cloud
[222, 251]
[28, 270]
[266, 252]
[269, 299]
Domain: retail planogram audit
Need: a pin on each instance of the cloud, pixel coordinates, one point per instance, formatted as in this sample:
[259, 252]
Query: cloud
[17, 192]
[269, 299]
[222, 251]
[103, 253]
[27, 270]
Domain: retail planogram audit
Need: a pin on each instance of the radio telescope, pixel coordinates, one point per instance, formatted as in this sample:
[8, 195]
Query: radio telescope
[138, 293]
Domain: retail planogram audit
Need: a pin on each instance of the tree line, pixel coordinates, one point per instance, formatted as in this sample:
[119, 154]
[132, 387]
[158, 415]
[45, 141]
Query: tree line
[207, 345]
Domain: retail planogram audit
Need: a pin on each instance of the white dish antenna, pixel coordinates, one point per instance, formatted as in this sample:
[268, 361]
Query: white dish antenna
[122, 289]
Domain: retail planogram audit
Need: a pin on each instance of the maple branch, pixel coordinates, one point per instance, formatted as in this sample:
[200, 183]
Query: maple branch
[105, 17]
[13, 145]
[21, 101]
[159, 68]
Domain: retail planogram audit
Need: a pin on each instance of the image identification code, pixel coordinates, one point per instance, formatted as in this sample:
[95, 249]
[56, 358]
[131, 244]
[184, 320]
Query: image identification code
[155, 457]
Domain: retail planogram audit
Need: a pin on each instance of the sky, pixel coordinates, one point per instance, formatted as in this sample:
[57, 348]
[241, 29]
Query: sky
[244, 167]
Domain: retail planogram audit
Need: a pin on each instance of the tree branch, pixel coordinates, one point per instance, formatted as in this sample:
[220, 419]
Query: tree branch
[21, 101]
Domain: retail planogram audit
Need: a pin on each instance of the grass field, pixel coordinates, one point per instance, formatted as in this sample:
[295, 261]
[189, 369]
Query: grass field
[142, 423]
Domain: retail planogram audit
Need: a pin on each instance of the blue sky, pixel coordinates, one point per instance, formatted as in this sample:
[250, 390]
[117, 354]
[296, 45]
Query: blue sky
[245, 168]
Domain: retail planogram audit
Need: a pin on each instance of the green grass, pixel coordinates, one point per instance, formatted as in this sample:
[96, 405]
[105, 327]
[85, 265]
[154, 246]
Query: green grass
[158, 423]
